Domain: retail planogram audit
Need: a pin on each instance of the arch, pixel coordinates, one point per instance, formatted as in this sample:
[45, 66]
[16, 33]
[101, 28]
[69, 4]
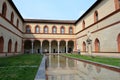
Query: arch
[27, 46]
[97, 45]
[12, 17]
[70, 46]
[54, 45]
[28, 29]
[17, 23]
[70, 30]
[45, 46]
[4, 9]
[1, 44]
[83, 24]
[95, 16]
[62, 46]
[46, 29]
[37, 29]
[10, 46]
[84, 46]
[62, 30]
[37, 48]
[16, 46]
[54, 29]
[118, 39]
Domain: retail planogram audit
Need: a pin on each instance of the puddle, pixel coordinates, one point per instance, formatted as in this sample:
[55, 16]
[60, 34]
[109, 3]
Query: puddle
[62, 68]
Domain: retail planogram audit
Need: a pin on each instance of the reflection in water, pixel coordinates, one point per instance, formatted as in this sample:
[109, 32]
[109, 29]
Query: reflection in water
[61, 68]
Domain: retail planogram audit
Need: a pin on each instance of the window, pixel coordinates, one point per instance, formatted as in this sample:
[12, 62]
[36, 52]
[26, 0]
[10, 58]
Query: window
[83, 24]
[118, 40]
[17, 24]
[4, 9]
[28, 29]
[97, 45]
[12, 17]
[37, 29]
[70, 30]
[117, 4]
[96, 16]
[54, 29]
[62, 30]
[45, 29]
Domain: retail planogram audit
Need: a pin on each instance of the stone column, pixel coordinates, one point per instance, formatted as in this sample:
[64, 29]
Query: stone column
[41, 48]
[58, 46]
[66, 46]
[32, 43]
[49, 47]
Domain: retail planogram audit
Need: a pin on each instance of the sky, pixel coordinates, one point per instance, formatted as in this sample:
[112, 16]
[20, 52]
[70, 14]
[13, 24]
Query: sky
[53, 9]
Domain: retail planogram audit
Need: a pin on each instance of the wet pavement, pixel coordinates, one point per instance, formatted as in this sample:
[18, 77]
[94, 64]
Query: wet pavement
[62, 68]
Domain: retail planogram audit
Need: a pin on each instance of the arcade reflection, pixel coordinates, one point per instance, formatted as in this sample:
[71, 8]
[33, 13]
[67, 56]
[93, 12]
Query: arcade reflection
[61, 68]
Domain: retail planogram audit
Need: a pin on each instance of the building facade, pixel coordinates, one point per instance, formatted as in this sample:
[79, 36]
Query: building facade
[100, 23]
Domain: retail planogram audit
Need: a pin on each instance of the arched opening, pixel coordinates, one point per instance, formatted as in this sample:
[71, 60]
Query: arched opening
[37, 29]
[70, 30]
[118, 39]
[70, 46]
[4, 9]
[12, 17]
[96, 16]
[28, 29]
[45, 46]
[27, 46]
[37, 48]
[45, 29]
[1, 44]
[10, 46]
[16, 45]
[97, 45]
[62, 30]
[54, 48]
[83, 24]
[54, 29]
[84, 46]
[62, 46]
[17, 23]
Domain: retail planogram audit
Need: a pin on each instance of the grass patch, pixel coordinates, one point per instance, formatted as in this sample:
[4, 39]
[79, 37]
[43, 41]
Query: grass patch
[10, 70]
[105, 60]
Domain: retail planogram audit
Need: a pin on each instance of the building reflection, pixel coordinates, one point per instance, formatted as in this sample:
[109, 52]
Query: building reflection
[62, 68]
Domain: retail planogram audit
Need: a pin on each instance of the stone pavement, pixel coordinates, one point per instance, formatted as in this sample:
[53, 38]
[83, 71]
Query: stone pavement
[41, 71]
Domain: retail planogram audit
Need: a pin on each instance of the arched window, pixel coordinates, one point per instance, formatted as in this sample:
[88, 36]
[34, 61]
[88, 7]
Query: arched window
[95, 16]
[118, 39]
[17, 23]
[70, 30]
[84, 46]
[83, 24]
[28, 29]
[12, 17]
[10, 46]
[37, 29]
[97, 45]
[117, 4]
[45, 29]
[54, 29]
[4, 9]
[1, 44]
[16, 47]
[62, 30]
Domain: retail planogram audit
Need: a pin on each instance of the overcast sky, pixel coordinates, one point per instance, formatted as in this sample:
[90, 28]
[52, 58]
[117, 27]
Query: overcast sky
[53, 9]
